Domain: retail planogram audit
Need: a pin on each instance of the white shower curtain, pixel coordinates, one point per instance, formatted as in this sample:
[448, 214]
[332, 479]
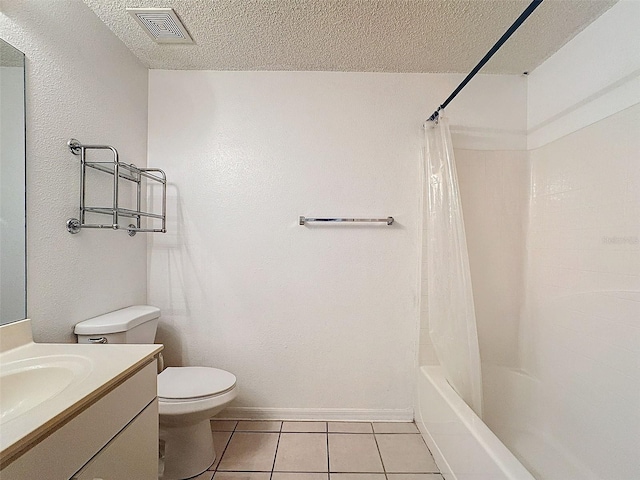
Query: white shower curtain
[452, 320]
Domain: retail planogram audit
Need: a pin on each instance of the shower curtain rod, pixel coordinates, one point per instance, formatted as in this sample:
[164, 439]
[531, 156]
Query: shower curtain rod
[519, 21]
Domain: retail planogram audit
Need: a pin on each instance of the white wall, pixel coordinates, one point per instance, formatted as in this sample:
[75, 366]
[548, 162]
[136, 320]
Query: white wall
[82, 82]
[320, 320]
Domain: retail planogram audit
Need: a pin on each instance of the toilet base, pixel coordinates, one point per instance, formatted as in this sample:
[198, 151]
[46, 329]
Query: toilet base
[188, 450]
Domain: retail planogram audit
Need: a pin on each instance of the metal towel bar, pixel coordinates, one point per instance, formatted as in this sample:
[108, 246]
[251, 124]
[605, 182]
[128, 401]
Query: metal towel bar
[388, 220]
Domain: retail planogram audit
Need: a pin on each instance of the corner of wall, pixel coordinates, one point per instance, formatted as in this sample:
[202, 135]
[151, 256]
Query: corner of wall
[593, 76]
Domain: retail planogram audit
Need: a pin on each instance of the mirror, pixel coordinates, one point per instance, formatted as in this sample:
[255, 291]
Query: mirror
[13, 277]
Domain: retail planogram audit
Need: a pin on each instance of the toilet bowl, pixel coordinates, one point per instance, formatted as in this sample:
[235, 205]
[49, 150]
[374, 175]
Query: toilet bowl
[187, 399]
[187, 396]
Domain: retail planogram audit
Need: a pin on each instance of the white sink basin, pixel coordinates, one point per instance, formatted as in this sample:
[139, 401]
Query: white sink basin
[27, 383]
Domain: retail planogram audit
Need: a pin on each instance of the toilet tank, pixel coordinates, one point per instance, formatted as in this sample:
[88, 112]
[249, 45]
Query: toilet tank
[135, 324]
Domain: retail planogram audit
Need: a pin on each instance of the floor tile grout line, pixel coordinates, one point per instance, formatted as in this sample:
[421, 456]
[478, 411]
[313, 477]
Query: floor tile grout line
[379, 453]
[250, 471]
[273, 466]
[326, 424]
[439, 472]
[225, 448]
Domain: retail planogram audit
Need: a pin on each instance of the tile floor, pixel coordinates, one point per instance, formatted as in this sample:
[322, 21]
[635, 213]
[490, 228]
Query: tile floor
[270, 450]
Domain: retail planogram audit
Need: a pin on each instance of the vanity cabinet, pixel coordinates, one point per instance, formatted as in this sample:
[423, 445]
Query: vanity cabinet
[130, 454]
[114, 437]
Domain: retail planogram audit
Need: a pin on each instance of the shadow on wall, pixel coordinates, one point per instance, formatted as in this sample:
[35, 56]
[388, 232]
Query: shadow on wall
[170, 256]
[170, 337]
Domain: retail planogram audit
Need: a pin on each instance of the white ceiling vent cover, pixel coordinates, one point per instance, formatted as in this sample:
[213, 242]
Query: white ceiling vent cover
[162, 24]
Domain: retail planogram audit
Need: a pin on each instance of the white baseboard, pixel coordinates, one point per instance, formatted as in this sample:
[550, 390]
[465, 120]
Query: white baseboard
[328, 414]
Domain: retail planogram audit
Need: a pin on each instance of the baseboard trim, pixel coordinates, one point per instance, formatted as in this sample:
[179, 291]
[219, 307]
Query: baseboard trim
[329, 414]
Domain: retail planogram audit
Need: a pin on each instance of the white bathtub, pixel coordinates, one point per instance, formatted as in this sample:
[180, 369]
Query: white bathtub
[517, 410]
[463, 446]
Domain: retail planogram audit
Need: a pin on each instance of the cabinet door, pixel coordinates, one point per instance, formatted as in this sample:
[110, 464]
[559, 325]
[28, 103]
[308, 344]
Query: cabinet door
[133, 453]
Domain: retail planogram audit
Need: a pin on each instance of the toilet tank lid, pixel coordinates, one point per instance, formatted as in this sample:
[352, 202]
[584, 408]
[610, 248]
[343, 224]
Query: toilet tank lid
[118, 321]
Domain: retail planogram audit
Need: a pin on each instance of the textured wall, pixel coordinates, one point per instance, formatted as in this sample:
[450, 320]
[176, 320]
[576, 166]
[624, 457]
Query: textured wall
[322, 318]
[82, 82]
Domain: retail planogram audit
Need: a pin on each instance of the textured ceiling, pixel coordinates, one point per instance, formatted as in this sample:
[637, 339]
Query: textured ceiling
[353, 35]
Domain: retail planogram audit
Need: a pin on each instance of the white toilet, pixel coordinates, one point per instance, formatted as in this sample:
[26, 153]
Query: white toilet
[187, 396]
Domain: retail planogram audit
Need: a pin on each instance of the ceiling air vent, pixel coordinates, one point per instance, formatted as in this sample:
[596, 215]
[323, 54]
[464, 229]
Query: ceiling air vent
[162, 24]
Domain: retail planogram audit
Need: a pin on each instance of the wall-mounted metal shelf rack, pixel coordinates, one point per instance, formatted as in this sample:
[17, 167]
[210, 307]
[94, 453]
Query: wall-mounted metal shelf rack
[118, 170]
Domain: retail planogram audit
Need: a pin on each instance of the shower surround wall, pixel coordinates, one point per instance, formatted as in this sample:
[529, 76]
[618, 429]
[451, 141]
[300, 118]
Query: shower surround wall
[81, 82]
[494, 187]
[317, 320]
[560, 360]
[580, 327]
[581, 337]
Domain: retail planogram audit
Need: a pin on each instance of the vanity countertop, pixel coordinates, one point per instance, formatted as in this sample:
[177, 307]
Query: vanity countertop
[44, 385]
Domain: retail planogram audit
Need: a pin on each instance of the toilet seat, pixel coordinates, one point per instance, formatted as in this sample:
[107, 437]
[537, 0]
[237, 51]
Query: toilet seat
[188, 384]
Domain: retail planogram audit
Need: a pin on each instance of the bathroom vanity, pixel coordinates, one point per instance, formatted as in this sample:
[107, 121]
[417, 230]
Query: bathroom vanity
[70, 411]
